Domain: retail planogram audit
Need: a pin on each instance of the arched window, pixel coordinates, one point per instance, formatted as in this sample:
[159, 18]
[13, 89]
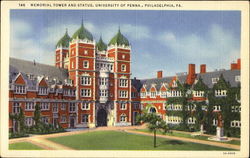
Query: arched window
[123, 67]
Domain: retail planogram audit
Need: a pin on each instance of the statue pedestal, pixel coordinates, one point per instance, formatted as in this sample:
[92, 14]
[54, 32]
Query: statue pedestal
[219, 135]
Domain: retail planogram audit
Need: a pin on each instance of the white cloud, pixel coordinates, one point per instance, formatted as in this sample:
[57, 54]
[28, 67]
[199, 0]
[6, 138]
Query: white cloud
[217, 46]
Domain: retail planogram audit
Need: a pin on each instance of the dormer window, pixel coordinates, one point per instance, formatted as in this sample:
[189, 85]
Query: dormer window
[42, 91]
[143, 94]
[123, 67]
[163, 94]
[174, 84]
[237, 78]
[153, 94]
[220, 93]
[20, 89]
[31, 76]
[215, 80]
[198, 93]
[85, 64]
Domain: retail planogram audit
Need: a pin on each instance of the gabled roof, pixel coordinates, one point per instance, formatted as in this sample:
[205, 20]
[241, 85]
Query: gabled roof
[27, 67]
[229, 76]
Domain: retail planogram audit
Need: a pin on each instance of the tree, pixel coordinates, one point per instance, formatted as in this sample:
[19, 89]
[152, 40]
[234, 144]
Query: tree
[154, 122]
[37, 115]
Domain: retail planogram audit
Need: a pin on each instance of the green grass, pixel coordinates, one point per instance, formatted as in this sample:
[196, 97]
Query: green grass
[179, 134]
[114, 140]
[23, 146]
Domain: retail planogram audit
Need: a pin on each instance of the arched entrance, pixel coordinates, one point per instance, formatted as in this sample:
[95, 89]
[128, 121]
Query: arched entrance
[152, 110]
[101, 118]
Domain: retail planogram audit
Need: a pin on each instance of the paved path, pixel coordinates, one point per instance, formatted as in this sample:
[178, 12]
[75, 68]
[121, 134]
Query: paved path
[231, 146]
[43, 142]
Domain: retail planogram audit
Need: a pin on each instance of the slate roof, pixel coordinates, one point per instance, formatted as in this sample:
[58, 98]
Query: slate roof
[229, 76]
[36, 69]
[101, 46]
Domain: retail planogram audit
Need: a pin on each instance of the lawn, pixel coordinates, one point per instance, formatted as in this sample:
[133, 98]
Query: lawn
[179, 134]
[23, 146]
[114, 140]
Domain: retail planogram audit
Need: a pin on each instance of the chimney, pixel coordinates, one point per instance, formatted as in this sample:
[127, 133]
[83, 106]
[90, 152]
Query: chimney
[159, 74]
[234, 66]
[238, 64]
[191, 74]
[203, 69]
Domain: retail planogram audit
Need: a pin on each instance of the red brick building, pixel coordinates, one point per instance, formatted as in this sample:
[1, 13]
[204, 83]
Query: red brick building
[90, 84]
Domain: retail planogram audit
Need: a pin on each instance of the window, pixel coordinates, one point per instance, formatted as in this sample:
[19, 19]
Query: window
[45, 120]
[235, 123]
[133, 94]
[216, 108]
[103, 93]
[63, 119]
[174, 94]
[123, 67]
[54, 107]
[123, 94]
[123, 83]
[174, 84]
[198, 93]
[16, 107]
[123, 118]
[191, 107]
[85, 106]
[42, 91]
[111, 67]
[85, 80]
[237, 78]
[103, 81]
[236, 108]
[85, 92]
[85, 118]
[143, 94]
[204, 107]
[191, 120]
[85, 64]
[19, 89]
[72, 64]
[153, 94]
[215, 80]
[163, 94]
[136, 106]
[215, 122]
[123, 106]
[29, 121]
[69, 92]
[123, 56]
[44, 106]
[72, 107]
[220, 93]
[63, 106]
[85, 52]
[29, 106]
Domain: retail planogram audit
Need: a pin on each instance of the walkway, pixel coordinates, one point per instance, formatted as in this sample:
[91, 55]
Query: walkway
[41, 140]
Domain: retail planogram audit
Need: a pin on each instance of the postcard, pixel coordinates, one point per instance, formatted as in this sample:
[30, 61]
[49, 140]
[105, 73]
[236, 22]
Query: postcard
[124, 79]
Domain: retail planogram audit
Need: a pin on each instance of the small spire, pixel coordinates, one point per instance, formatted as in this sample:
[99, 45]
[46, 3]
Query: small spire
[66, 31]
[82, 21]
[119, 30]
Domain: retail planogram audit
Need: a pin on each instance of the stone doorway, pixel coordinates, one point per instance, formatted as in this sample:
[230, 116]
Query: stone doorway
[101, 118]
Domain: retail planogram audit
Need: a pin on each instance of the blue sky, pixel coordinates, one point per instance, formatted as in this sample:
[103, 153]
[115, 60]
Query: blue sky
[160, 40]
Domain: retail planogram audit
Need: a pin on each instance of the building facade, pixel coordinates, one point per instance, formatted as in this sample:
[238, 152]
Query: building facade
[90, 85]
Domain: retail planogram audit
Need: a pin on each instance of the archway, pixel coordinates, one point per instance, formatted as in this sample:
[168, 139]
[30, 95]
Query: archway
[152, 110]
[101, 118]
